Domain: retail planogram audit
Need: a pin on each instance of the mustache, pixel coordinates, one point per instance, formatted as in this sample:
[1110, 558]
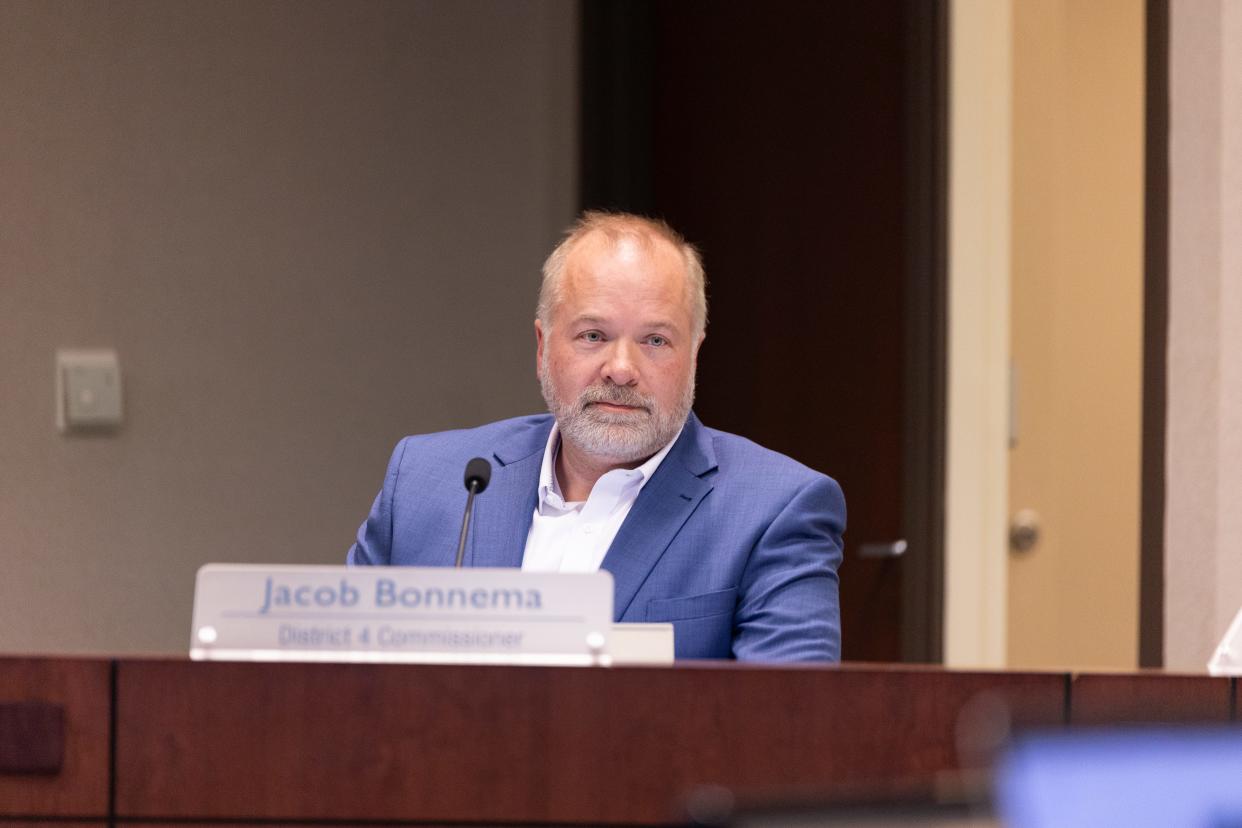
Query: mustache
[614, 394]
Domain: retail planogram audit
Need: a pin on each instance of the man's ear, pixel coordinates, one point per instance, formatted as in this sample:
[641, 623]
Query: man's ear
[539, 343]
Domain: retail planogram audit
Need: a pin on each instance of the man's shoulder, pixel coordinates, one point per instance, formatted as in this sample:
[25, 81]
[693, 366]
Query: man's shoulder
[437, 458]
[735, 453]
[515, 433]
[530, 424]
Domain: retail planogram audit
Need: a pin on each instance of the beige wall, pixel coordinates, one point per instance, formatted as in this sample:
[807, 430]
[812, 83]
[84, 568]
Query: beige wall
[1077, 311]
[1203, 520]
[307, 228]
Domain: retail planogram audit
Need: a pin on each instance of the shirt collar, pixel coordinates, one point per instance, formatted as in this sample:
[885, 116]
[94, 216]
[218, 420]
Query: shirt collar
[550, 487]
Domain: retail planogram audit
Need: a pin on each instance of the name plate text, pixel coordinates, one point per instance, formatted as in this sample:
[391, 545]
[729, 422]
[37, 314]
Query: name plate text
[246, 612]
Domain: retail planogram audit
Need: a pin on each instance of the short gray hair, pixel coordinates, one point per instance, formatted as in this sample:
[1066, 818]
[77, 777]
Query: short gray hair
[618, 226]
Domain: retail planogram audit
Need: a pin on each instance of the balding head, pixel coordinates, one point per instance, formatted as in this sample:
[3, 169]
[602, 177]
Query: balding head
[614, 229]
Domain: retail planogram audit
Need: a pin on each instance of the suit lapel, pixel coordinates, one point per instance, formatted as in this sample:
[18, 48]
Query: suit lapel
[502, 514]
[662, 508]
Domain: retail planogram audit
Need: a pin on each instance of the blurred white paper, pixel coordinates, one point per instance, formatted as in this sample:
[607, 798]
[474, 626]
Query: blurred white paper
[1227, 660]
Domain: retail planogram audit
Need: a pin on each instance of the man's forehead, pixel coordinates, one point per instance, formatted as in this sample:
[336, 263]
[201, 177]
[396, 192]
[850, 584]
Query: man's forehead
[628, 243]
[626, 264]
[642, 271]
[601, 316]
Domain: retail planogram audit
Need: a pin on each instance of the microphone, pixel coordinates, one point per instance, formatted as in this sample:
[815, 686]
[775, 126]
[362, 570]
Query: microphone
[478, 475]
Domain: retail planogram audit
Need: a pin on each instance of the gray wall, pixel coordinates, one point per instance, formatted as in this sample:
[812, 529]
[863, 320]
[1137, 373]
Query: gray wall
[307, 228]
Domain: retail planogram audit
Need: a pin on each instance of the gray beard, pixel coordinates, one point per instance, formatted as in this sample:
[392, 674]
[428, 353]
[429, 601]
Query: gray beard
[614, 436]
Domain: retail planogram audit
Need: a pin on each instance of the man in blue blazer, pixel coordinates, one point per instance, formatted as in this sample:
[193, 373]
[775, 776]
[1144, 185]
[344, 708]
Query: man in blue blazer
[736, 545]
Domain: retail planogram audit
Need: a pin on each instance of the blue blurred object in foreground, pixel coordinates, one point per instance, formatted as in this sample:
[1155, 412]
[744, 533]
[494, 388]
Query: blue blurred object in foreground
[1148, 777]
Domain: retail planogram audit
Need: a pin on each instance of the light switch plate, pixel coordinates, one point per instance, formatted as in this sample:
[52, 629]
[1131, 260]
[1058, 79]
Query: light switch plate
[88, 389]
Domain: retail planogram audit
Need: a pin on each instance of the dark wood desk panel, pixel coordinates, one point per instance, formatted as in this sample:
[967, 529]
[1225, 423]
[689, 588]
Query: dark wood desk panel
[1149, 698]
[307, 741]
[81, 688]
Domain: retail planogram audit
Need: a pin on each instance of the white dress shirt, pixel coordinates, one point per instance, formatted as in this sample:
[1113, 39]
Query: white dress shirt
[575, 536]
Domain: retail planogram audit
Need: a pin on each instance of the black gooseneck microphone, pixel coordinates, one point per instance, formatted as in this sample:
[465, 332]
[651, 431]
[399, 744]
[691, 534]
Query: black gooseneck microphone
[478, 475]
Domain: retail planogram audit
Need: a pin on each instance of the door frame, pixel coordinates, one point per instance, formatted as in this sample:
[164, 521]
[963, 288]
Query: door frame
[1155, 336]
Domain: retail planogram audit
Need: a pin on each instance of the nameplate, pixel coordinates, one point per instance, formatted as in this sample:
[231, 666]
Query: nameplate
[246, 612]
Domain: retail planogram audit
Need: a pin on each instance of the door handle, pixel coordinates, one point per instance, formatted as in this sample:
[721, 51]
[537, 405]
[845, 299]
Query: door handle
[1024, 530]
[885, 549]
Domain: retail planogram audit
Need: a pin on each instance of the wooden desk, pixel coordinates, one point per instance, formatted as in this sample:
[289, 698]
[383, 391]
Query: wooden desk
[299, 742]
[80, 688]
[1149, 697]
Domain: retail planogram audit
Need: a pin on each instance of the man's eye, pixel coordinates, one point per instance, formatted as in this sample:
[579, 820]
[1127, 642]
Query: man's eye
[657, 340]
[593, 336]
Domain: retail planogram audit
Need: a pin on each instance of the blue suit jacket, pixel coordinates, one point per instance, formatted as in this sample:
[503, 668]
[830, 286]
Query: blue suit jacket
[736, 545]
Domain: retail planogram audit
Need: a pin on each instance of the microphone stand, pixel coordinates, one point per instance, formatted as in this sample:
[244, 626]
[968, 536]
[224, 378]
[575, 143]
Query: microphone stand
[465, 521]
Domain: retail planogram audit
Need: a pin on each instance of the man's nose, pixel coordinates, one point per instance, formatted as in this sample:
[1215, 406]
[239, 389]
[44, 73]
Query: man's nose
[619, 367]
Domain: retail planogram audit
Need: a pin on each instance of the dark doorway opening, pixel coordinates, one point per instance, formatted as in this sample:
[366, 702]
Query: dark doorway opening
[803, 147]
